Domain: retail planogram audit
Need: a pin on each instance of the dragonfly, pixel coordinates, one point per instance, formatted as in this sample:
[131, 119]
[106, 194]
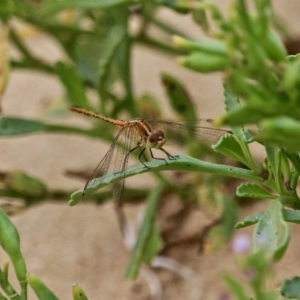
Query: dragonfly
[140, 134]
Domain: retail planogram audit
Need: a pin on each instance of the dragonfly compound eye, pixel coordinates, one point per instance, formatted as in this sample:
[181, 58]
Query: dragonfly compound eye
[160, 134]
[153, 138]
[156, 139]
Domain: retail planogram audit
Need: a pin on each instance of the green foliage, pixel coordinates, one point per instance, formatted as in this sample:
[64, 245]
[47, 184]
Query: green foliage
[261, 87]
[40, 289]
[291, 288]
[10, 243]
[272, 232]
[256, 268]
[78, 293]
[249, 220]
[149, 241]
[179, 97]
[253, 190]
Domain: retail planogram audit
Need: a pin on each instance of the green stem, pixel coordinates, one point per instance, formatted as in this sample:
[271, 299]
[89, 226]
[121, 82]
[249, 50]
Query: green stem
[35, 65]
[6, 286]
[20, 45]
[29, 61]
[182, 163]
[157, 45]
[168, 28]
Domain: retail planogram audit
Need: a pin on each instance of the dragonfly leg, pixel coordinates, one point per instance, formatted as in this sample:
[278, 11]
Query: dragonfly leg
[140, 157]
[158, 158]
[170, 156]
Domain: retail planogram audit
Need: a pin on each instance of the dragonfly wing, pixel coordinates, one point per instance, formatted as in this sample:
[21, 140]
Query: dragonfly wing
[121, 162]
[203, 129]
[99, 173]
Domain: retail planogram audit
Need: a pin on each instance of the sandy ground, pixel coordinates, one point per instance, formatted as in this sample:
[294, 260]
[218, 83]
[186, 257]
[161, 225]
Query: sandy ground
[82, 244]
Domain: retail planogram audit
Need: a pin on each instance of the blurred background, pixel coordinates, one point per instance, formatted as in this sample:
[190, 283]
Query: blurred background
[64, 245]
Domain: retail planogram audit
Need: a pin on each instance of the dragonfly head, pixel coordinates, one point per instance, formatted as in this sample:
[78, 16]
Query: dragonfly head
[156, 139]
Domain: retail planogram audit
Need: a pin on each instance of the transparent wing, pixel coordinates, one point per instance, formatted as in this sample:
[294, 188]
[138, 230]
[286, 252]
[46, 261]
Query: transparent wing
[122, 146]
[121, 162]
[202, 129]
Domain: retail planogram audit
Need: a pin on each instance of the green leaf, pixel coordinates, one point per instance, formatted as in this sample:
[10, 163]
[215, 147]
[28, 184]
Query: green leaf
[272, 233]
[228, 146]
[200, 17]
[10, 126]
[5, 284]
[209, 46]
[274, 46]
[10, 242]
[236, 287]
[7, 10]
[112, 43]
[73, 84]
[243, 115]
[291, 288]
[148, 242]
[15, 126]
[274, 158]
[54, 6]
[153, 245]
[231, 101]
[294, 159]
[221, 233]
[24, 184]
[282, 132]
[88, 55]
[258, 264]
[204, 62]
[290, 201]
[250, 220]
[253, 190]
[40, 289]
[291, 215]
[179, 98]
[182, 163]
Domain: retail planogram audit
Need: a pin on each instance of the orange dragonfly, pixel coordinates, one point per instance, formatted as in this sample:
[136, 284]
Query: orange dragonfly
[139, 134]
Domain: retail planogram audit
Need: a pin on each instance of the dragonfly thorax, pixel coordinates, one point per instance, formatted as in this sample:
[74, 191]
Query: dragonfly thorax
[156, 139]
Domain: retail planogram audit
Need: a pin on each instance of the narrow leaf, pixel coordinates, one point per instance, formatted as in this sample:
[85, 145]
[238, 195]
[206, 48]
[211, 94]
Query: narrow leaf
[148, 237]
[24, 184]
[236, 287]
[178, 96]
[182, 163]
[40, 289]
[73, 84]
[15, 126]
[10, 242]
[112, 43]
